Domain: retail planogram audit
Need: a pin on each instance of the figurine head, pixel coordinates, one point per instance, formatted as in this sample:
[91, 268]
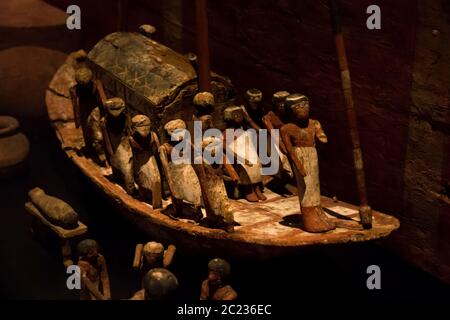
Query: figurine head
[159, 284]
[219, 271]
[141, 125]
[84, 76]
[253, 97]
[233, 115]
[174, 125]
[87, 249]
[203, 101]
[298, 104]
[278, 100]
[147, 30]
[80, 55]
[115, 106]
[153, 253]
[36, 192]
[192, 57]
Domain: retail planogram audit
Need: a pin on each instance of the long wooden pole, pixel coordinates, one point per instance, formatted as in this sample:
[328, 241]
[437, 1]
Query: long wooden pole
[365, 211]
[204, 81]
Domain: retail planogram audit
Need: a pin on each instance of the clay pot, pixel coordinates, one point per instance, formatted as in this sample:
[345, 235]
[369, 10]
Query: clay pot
[14, 146]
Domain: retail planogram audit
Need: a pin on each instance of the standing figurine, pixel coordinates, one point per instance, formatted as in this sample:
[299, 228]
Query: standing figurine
[299, 140]
[94, 273]
[243, 147]
[214, 194]
[94, 136]
[181, 178]
[144, 144]
[152, 255]
[158, 284]
[254, 109]
[216, 287]
[115, 127]
[274, 120]
[84, 97]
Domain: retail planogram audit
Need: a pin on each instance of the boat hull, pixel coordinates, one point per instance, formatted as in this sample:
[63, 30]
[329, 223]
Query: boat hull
[266, 229]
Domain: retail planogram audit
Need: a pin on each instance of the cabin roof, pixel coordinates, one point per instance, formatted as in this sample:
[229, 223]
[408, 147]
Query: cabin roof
[149, 68]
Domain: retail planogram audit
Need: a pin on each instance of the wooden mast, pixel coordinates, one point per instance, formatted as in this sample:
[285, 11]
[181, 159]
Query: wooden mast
[365, 211]
[204, 76]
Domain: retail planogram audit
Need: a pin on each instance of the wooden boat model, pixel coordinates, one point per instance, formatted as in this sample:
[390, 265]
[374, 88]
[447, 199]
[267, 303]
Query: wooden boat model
[156, 81]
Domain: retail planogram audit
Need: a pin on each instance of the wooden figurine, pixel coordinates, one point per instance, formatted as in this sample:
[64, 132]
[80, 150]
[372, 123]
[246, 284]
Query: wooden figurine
[55, 210]
[144, 144]
[179, 175]
[216, 287]
[299, 140]
[57, 216]
[115, 127]
[274, 120]
[245, 152]
[152, 255]
[94, 273]
[94, 137]
[84, 97]
[158, 284]
[253, 107]
[214, 194]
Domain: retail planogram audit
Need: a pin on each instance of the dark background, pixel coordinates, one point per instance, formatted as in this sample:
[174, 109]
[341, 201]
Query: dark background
[400, 80]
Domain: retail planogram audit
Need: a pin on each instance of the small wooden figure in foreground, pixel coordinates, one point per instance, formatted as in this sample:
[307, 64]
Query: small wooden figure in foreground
[158, 284]
[58, 216]
[216, 287]
[145, 144]
[55, 210]
[152, 255]
[253, 108]
[300, 142]
[94, 273]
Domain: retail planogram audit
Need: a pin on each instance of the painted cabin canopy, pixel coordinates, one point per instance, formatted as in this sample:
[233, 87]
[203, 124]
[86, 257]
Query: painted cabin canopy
[148, 68]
